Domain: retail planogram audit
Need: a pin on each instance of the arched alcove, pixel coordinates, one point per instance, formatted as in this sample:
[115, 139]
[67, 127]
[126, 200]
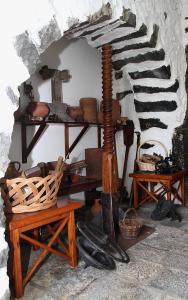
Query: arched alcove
[146, 49]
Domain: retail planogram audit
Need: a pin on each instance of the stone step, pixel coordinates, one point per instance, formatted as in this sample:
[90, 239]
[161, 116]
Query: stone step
[151, 43]
[94, 32]
[155, 96]
[143, 66]
[150, 90]
[158, 106]
[77, 30]
[153, 82]
[133, 53]
[136, 34]
[163, 72]
[107, 35]
[168, 118]
[147, 123]
[123, 94]
[156, 55]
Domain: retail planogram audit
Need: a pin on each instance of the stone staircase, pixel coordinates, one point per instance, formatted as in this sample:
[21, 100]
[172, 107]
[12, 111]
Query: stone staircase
[140, 62]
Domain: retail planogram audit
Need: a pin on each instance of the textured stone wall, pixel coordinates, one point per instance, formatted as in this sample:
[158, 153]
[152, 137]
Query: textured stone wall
[28, 28]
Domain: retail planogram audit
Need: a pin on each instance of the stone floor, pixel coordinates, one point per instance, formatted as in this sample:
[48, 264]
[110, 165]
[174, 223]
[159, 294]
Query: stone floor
[158, 269]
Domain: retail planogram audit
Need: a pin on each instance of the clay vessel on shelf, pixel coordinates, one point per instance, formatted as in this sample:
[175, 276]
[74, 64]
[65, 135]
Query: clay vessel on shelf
[75, 112]
[89, 107]
[38, 109]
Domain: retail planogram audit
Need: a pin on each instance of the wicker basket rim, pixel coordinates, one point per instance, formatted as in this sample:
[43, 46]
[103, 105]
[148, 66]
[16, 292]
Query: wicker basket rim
[41, 192]
[37, 178]
[147, 141]
[144, 166]
[135, 222]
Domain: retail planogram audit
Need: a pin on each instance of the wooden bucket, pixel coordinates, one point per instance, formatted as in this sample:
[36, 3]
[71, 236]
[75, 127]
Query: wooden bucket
[89, 107]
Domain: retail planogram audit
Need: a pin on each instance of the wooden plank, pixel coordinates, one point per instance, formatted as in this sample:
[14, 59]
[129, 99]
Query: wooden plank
[39, 218]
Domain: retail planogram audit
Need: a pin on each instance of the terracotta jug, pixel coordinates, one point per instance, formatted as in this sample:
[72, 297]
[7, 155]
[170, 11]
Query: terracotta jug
[75, 112]
[38, 109]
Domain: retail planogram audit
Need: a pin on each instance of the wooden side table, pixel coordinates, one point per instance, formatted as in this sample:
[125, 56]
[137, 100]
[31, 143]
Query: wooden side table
[55, 219]
[166, 181]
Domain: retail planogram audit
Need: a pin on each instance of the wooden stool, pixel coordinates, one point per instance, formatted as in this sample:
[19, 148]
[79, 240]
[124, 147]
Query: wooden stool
[55, 219]
[166, 181]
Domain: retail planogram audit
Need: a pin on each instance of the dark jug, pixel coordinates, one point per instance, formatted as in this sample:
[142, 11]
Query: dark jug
[13, 169]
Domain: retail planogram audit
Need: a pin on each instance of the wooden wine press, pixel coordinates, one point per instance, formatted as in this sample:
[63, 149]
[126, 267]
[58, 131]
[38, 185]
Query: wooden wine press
[110, 195]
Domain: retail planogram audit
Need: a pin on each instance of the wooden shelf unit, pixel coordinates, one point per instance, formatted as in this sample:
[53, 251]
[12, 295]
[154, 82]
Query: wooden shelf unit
[43, 125]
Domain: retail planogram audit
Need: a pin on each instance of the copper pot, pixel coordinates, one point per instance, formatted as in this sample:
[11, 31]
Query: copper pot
[38, 109]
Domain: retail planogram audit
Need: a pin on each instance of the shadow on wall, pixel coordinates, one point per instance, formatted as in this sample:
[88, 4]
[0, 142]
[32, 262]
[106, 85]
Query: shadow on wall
[51, 58]
[84, 63]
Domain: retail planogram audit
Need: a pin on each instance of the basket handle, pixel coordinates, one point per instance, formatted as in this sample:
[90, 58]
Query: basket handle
[59, 164]
[154, 141]
[127, 211]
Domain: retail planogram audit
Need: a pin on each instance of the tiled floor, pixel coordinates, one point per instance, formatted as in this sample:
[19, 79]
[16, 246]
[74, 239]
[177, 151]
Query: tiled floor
[158, 269]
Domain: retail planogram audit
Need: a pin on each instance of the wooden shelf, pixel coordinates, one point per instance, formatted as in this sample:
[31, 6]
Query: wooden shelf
[43, 125]
[74, 123]
[82, 185]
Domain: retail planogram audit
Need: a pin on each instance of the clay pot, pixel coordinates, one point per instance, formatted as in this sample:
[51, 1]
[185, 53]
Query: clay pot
[75, 112]
[38, 109]
[89, 107]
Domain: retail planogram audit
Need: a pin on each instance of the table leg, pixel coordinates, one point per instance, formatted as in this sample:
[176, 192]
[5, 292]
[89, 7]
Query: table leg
[72, 240]
[135, 193]
[36, 236]
[17, 268]
[168, 184]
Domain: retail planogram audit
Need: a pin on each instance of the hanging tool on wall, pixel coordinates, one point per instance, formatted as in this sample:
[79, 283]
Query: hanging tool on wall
[135, 164]
[110, 195]
[128, 139]
[57, 77]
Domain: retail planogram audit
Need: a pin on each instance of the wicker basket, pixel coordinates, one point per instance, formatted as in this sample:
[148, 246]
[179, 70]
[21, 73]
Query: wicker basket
[32, 194]
[144, 166]
[130, 226]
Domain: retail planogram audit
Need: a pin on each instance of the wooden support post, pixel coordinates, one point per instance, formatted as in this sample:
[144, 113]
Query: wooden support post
[77, 139]
[24, 142]
[17, 267]
[36, 137]
[72, 240]
[66, 132]
[27, 149]
[99, 136]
